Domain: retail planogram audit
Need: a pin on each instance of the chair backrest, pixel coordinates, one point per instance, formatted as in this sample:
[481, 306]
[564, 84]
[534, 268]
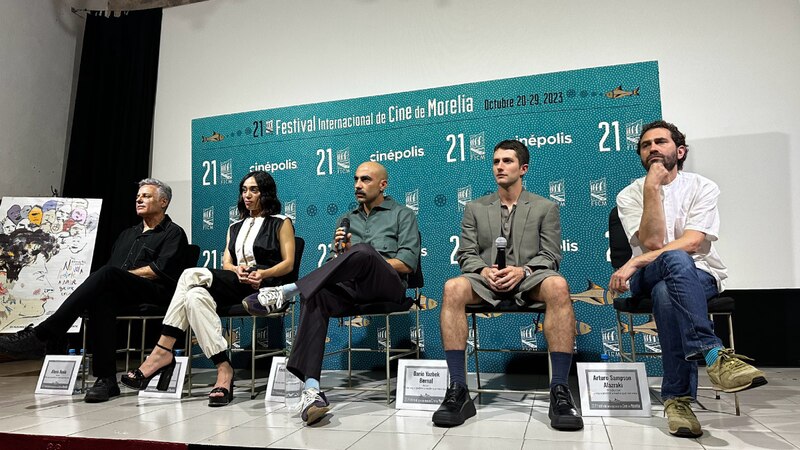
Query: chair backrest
[192, 255]
[617, 240]
[415, 278]
[299, 247]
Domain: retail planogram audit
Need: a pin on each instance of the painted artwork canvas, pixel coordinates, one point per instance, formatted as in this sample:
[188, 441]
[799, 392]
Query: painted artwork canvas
[46, 247]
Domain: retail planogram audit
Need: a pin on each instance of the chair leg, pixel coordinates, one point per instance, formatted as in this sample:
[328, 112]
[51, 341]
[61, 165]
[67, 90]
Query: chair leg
[475, 352]
[733, 347]
[388, 354]
[191, 357]
[350, 354]
[253, 361]
[84, 361]
[128, 347]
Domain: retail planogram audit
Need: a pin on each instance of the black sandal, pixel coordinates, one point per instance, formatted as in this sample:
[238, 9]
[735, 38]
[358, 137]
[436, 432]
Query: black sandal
[139, 381]
[224, 399]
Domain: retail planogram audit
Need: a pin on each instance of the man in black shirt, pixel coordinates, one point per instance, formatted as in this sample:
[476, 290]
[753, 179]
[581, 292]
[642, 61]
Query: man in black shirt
[145, 263]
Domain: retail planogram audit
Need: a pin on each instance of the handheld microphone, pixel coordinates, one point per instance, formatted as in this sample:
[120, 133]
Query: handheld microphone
[500, 243]
[344, 224]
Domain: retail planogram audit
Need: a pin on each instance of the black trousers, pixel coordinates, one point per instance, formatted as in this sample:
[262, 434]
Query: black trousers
[360, 275]
[103, 295]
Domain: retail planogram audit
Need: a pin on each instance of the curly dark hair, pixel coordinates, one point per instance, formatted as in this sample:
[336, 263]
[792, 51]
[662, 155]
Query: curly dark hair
[270, 204]
[677, 137]
[21, 247]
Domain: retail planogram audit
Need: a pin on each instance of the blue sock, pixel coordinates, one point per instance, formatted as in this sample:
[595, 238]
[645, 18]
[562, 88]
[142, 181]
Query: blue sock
[711, 355]
[311, 383]
[456, 366]
[560, 362]
[290, 290]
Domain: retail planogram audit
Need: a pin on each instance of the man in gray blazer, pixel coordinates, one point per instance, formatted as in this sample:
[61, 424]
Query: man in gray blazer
[532, 229]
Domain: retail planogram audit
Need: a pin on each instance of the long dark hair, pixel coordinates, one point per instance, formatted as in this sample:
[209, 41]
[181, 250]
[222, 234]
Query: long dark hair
[21, 247]
[269, 195]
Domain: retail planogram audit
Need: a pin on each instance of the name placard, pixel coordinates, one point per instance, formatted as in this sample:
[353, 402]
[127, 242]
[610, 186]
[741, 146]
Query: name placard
[175, 389]
[421, 384]
[58, 375]
[276, 385]
[614, 389]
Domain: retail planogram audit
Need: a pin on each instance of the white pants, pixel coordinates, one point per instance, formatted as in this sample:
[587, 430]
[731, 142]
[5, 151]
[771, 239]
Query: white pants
[193, 305]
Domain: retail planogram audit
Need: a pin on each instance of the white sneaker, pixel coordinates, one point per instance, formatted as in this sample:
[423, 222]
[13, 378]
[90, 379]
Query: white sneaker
[271, 298]
[312, 406]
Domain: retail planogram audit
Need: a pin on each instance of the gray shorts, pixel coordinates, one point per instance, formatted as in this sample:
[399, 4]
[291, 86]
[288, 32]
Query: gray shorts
[520, 292]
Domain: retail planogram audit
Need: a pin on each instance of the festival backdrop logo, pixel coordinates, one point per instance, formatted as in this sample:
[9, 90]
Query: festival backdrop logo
[233, 214]
[412, 201]
[290, 210]
[597, 192]
[343, 160]
[632, 132]
[557, 192]
[528, 337]
[418, 340]
[208, 218]
[477, 146]
[226, 172]
[464, 197]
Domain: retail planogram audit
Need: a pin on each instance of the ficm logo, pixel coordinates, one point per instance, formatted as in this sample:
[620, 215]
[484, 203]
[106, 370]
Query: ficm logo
[233, 214]
[412, 200]
[290, 209]
[632, 132]
[558, 192]
[226, 172]
[343, 160]
[464, 196]
[208, 218]
[477, 146]
[597, 192]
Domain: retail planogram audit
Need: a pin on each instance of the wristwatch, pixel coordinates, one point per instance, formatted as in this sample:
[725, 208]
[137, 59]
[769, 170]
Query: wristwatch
[528, 271]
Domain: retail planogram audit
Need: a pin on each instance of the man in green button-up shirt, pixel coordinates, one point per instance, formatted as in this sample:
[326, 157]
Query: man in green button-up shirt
[370, 263]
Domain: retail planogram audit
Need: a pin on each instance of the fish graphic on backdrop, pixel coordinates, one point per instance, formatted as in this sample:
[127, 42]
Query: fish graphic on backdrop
[215, 137]
[355, 321]
[425, 303]
[618, 92]
[646, 328]
[595, 295]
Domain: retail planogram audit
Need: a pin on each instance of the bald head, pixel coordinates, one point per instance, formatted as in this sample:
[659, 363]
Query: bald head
[371, 180]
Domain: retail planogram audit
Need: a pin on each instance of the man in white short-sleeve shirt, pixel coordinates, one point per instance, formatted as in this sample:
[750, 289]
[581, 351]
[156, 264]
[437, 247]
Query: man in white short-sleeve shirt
[671, 220]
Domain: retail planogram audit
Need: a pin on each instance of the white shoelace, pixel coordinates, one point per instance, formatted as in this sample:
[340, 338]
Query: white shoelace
[308, 397]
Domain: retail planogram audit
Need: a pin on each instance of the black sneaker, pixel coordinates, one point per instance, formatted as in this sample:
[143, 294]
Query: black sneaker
[563, 414]
[456, 407]
[22, 345]
[103, 389]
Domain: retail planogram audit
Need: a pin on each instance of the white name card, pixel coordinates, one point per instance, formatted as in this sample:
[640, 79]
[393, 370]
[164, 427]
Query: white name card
[58, 375]
[276, 385]
[175, 389]
[421, 384]
[614, 389]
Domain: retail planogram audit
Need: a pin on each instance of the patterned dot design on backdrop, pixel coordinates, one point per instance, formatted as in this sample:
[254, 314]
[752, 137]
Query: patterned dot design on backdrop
[437, 147]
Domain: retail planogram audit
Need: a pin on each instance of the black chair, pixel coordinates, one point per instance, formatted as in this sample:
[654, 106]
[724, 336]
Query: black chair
[385, 309]
[630, 306]
[231, 312]
[504, 307]
[144, 312]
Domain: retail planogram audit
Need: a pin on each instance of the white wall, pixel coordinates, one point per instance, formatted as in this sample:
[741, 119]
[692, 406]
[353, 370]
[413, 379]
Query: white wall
[729, 72]
[37, 67]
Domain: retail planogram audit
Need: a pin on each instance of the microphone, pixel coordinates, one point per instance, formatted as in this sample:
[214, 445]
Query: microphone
[345, 224]
[501, 243]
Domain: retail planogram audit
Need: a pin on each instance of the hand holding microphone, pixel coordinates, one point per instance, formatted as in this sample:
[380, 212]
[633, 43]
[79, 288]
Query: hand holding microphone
[500, 244]
[341, 239]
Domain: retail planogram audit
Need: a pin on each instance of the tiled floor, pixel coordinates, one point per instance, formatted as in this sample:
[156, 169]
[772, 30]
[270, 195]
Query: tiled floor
[770, 419]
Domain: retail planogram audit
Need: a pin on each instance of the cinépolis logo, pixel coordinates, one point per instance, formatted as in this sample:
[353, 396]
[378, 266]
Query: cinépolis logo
[536, 141]
[397, 155]
[288, 164]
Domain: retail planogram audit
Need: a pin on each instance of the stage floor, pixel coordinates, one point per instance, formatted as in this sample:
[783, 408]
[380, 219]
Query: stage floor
[364, 421]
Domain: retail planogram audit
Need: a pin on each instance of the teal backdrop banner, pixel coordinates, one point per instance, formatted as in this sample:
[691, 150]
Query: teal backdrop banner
[581, 127]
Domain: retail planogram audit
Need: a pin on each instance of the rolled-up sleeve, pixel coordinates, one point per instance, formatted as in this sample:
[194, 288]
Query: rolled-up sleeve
[408, 240]
[171, 258]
